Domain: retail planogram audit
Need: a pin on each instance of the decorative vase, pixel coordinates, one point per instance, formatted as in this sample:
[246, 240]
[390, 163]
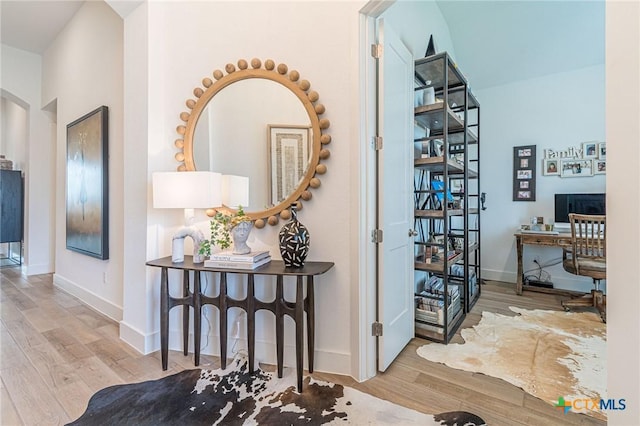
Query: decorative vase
[239, 235]
[431, 47]
[294, 241]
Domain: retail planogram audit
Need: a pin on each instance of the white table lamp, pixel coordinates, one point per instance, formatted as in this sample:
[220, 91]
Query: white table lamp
[188, 191]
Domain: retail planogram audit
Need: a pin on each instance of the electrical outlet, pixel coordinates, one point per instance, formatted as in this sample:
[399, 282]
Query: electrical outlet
[105, 277]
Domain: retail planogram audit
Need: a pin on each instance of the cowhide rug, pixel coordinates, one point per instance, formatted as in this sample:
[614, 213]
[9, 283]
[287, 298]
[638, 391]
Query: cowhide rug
[234, 397]
[548, 354]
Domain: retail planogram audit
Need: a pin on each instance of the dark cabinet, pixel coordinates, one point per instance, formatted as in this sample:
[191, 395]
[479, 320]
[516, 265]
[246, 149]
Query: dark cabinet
[11, 210]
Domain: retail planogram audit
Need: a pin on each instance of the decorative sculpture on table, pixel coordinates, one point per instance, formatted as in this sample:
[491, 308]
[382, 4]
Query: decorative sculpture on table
[177, 244]
[240, 234]
[294, 241]
[228, 228]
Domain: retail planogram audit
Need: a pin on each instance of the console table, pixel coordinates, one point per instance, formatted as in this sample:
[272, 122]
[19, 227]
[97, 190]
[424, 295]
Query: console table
[559, 240]
[250, 304]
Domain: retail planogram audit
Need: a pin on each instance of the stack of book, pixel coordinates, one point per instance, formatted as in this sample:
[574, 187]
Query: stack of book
[226, 259]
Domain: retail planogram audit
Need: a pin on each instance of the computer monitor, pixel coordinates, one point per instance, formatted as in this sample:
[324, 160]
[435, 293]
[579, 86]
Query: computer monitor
[578, 203]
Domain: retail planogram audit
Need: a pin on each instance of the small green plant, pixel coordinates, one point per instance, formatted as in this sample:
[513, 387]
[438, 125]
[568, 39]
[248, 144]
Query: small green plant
[220, 228]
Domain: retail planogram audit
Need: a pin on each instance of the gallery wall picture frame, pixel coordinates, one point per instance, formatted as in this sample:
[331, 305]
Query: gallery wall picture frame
[599, 167]
[288, 149]
[87, 184]
[524, 173]
[576, 167]
[551, 167]
[524, 151]
[589, 150]
[602, 151]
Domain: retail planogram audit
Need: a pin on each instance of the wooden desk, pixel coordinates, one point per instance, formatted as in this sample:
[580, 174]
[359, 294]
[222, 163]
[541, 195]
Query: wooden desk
[250, 304]
[560, 240]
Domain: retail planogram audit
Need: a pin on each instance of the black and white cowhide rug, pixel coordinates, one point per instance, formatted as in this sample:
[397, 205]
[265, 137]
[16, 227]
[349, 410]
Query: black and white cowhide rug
[233, 396]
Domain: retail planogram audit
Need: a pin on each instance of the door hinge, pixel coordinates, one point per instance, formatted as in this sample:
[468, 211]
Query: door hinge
[377, 143]
[376, 51]
[376, 329]
[376, 236]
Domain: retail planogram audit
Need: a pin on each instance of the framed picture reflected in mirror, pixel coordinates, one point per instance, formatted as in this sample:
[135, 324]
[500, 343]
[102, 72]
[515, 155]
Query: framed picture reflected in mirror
[288, 148]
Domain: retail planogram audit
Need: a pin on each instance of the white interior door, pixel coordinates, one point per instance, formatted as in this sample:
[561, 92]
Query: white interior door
[395, 192]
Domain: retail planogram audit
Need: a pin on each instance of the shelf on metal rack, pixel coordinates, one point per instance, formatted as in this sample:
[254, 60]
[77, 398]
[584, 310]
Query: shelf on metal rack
[432, 213]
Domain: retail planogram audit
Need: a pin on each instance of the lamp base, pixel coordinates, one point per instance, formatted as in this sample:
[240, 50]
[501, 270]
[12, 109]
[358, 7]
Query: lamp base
[177, 245]
[177, 250]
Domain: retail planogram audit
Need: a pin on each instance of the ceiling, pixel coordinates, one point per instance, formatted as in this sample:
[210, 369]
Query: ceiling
[496, 42]
[32, 25]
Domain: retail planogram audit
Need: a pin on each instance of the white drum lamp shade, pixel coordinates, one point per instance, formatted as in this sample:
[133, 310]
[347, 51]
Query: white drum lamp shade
[187, 190]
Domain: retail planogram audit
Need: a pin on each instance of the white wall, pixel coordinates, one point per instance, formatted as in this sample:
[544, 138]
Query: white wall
[21, 83]
[223, 32]
[15, 133]
[82, 70]
[140, 291]
[557, 111]
[623, 208]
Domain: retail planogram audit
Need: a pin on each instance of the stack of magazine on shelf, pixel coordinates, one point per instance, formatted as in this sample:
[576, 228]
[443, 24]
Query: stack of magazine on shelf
[228, 260]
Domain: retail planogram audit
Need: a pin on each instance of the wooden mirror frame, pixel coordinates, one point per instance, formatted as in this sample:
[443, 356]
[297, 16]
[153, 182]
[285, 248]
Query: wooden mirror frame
[300, 88]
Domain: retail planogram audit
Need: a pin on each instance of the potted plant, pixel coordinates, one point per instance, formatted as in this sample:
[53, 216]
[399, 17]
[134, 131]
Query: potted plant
[226, 228]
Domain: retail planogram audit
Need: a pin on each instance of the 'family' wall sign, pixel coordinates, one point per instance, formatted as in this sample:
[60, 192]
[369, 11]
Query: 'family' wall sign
[588, 159]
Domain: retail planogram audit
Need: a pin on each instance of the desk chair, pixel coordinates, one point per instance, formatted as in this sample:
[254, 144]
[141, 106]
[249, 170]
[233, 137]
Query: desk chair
[587, 257]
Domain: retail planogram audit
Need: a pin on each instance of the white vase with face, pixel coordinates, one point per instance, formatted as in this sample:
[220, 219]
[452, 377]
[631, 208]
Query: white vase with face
[239, 235]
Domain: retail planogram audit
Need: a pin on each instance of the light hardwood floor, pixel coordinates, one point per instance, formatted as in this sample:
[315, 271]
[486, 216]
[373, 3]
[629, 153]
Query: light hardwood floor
[56, 352]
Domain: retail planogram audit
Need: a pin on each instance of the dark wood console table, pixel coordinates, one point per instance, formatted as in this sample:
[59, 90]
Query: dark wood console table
[279, 306]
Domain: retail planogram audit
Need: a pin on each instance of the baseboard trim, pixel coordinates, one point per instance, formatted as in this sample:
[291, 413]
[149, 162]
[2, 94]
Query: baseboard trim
[141, 342]
[328, 362]
[96, 302]
[41, 269]
[496, 275]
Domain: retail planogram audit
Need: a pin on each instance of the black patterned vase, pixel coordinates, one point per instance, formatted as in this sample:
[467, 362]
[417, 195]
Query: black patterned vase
[294, 242]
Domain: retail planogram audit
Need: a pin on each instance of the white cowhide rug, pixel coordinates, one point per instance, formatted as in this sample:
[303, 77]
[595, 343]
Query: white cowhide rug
[233, 396]
[548, 354]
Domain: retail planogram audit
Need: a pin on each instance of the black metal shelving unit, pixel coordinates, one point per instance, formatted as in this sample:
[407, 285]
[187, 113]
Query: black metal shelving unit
[446, 197]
